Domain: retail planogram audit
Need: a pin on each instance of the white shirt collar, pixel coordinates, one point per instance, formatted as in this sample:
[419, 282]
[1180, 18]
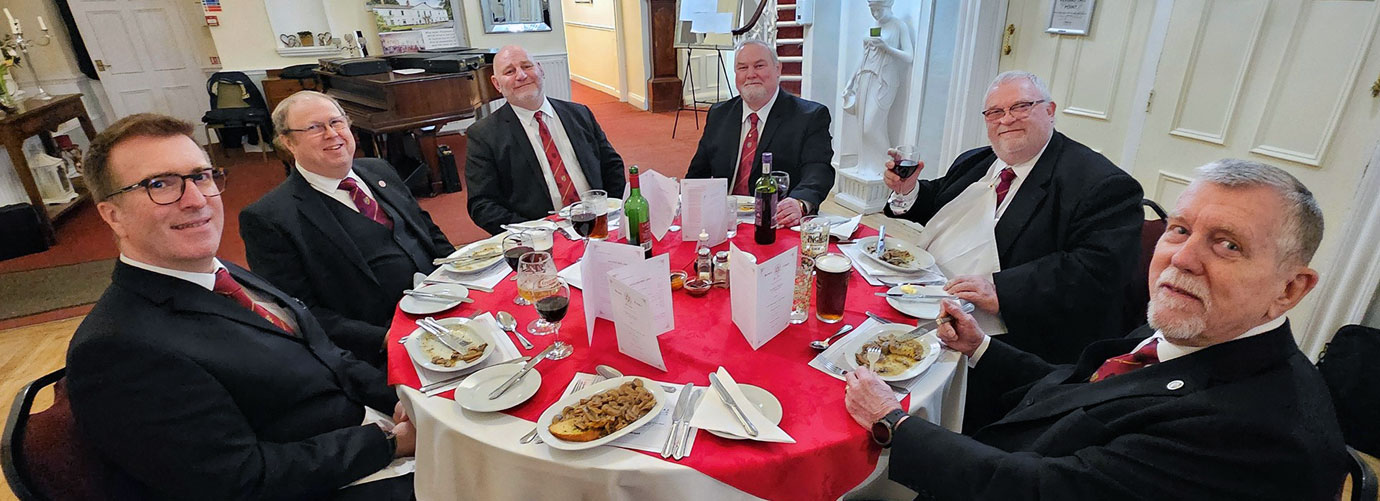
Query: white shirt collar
[207, 280]
[529, 117]
[766, 108]
[326, 184]
[1167, 350]
[1022, 169]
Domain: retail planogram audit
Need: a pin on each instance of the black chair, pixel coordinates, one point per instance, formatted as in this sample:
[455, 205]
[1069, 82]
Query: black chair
[1136, 293]
[237, 111]
[1365, 485]
[1347, 364]
[41, 453]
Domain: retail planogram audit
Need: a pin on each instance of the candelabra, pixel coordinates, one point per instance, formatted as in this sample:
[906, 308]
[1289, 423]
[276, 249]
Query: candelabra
[351, 44]
[17, 41]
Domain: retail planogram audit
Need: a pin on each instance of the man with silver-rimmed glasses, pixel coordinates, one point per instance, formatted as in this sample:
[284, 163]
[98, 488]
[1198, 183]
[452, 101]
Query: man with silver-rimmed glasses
[342, 234]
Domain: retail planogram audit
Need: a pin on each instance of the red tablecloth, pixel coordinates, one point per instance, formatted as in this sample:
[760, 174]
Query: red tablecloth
[832, 453]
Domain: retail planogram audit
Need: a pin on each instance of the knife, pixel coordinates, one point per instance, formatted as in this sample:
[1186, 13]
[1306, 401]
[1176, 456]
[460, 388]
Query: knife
[881, 241]
[456, 380]
[523, 372]
[472, 287]
[440, 336]
[902, 295]
[733, 406]
[423, 295]
[471, 257]
[676, 420]
[684, 440]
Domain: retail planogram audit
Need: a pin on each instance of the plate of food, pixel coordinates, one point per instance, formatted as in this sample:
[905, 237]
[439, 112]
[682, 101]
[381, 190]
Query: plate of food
[765, 402]
[478, 256]
[898, 255]
[744, 203]
[927, 308]
[614, 206]
[600, 413]
[431, 354]
[901, 360]
[418, 305]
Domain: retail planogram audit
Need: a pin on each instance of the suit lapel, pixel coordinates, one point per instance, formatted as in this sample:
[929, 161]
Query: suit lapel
[313, 208]
[181, 295]
[784, 107]
[527, 155]
[1028, 198]
[727, 162]
[389, 196]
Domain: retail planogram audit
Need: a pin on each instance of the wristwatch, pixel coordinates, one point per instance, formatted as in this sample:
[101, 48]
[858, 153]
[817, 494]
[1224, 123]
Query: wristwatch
[884, 429]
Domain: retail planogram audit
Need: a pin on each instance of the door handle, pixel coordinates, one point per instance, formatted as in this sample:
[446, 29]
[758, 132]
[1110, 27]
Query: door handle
[1006, 39]
[101, 66]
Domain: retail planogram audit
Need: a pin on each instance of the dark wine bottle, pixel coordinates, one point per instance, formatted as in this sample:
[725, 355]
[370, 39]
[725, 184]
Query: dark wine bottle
[766, 193]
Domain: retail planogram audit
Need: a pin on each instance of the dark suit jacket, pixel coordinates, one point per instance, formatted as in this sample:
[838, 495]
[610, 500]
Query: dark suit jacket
[796, 134]
[1068, 243]
[189, 395]
[1246, 419]
[291, 238]
[506, 183]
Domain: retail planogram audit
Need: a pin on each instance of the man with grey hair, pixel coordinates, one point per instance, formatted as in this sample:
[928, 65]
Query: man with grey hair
[1040, 232]
[1211, 400]
[763, 119]
[342, 234]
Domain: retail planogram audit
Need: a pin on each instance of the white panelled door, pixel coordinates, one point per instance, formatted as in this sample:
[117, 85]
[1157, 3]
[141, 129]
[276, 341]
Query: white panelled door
[1092, 78]
[144, 56]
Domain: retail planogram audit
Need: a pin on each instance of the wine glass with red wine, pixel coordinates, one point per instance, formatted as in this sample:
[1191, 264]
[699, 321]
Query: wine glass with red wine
[582, 218]
[552, 308]
[514, 246]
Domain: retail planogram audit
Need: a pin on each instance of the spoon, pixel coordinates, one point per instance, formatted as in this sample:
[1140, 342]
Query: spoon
[824, 344]
[508, 323]
[607, 372]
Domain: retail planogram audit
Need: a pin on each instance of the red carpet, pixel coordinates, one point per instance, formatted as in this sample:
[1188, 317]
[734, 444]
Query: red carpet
[642, 139]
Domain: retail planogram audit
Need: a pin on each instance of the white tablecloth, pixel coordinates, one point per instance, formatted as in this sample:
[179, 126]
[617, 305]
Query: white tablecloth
[470, 455]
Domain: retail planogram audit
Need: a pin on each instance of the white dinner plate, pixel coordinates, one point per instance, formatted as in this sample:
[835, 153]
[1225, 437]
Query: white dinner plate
[765, 402]
[544, 422]
[421, 344]
[473, 392]
[419, 306]
[490, 246]
[744, 203]
[927, 308]
[929, 340]
[922, 259]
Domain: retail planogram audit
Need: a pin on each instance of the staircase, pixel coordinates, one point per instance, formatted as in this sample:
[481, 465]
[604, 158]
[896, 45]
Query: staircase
[790, 43]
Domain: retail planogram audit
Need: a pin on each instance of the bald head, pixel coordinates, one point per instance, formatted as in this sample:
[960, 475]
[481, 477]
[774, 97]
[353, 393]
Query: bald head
[519, 78]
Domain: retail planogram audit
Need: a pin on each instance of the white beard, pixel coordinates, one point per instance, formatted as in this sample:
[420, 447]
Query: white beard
[1165, 311]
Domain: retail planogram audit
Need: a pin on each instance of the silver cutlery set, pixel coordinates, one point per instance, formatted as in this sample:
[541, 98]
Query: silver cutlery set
[679, 438]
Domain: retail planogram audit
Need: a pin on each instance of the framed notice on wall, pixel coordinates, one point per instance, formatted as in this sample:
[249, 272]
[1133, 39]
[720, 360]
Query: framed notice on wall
[1070, 17]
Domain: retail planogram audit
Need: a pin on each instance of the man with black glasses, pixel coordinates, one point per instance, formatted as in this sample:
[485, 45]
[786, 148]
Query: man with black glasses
[342, 234]
[1040, 232]
[195, 379]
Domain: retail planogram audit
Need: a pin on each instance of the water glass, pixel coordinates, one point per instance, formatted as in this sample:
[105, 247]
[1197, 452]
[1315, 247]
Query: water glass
[800, 300]
[814, 235]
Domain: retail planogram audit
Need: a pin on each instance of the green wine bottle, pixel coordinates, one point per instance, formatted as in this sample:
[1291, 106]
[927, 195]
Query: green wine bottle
[639, 221]
[765, 201]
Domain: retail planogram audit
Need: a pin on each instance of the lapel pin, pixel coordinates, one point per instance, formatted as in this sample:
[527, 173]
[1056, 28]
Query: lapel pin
[382, 184]
[1175, 384]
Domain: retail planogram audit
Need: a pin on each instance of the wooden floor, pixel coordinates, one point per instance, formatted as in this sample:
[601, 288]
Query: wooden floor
[25, 354]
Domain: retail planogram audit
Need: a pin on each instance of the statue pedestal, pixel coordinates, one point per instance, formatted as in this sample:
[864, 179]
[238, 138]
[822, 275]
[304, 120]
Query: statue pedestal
[860, 191]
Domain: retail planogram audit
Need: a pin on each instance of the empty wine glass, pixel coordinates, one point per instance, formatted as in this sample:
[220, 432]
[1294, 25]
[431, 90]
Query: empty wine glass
[552, 309]
[783, 183]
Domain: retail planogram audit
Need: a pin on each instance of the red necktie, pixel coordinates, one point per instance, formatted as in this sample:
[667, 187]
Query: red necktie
[1146, 356]
[553, 158]
[1007, 175]
[367, 206]
[228, 287]
[745, 158]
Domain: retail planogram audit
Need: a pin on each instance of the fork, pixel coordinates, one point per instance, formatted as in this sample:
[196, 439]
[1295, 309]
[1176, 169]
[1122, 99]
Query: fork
[873, 353]
[441, 330]
[829, 366]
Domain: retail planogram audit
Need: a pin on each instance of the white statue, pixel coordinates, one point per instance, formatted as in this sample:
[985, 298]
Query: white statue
[886, 64]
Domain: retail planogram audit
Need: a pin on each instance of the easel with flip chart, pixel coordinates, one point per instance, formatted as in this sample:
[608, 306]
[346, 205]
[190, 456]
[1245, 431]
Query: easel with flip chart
[704, 25]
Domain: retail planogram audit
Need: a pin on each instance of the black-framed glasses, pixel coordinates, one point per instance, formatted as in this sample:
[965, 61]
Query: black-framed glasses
[167, 189]
[1018, 111]
[318, 129]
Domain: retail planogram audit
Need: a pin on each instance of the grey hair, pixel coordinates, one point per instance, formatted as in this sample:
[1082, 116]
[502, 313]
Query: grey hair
[280, 113]
[753, 41]
[1303, 230]
[1014, 75]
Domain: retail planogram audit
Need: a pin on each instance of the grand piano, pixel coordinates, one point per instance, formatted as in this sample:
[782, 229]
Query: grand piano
[386, 108]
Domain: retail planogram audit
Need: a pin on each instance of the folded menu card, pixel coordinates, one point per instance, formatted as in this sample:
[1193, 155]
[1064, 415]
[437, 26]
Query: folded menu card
[760, 294]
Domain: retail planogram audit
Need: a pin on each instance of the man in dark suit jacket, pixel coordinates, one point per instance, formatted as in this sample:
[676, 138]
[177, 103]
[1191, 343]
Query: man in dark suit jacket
[1212, 400]
[535, 154]
[1068, 236]
[196, 379]
[313, 235]
[795, 131]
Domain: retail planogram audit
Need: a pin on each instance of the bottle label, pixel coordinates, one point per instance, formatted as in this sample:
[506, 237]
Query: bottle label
[644, 234]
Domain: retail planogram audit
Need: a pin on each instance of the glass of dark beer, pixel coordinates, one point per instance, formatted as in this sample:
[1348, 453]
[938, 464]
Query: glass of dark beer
[832, 271]
[598, 201]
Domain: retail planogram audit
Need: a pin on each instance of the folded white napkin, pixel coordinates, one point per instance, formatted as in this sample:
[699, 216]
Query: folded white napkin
[840, 227]
[714, 414]
[504, 350]
[572, 276]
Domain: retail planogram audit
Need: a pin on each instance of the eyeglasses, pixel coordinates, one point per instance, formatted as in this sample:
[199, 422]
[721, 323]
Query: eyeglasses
[317, 130]
[1018, 111]
[167, 189]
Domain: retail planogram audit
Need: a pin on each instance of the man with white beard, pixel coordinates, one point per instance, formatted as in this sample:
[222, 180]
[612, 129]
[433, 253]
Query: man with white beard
[1211, 400]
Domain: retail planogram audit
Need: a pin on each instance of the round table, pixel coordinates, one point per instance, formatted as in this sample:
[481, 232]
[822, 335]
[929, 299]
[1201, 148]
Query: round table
[471, 455]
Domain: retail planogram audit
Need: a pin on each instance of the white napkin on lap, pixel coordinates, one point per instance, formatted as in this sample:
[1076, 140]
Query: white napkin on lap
[714, 414]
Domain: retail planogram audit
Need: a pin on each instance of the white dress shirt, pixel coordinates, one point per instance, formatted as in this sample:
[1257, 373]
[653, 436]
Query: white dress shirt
[1166, 350]
[743, 132]
[902, 203]
[528, 119]
[331, 186]
[208, 281]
